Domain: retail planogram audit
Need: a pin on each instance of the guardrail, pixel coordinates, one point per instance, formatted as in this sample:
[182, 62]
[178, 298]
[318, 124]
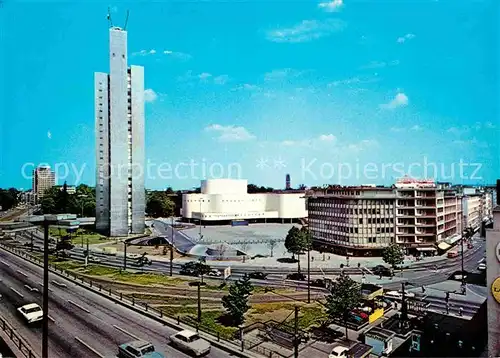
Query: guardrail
[20, 344]
[157, 314]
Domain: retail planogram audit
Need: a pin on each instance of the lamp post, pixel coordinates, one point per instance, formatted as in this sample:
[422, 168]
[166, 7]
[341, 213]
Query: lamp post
[64, 221]
[172, 246]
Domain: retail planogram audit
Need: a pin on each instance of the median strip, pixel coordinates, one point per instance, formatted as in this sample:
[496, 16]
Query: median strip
[77, 305]
[17, 292]
[126, 332]
[92, 349]
[22, 273]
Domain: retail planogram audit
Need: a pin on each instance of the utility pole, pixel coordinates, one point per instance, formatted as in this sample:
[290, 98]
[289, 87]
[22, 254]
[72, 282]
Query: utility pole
[124, 256]
[172, 248]
[199, 302]
[309, 274]
[32, 241]
[45, 308]
[404, 307]
[296, 335]
[466, 233]
[87, 253]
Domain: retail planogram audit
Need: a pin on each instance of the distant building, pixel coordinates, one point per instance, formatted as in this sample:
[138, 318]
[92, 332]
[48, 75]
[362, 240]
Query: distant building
[43, 179]
[119, 126]
[287, 182]
[493, 283]
[70, 189]
[224, 200]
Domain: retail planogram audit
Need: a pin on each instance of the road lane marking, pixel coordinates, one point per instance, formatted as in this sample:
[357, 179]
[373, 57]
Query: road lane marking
[5, 263]
[28, 287]
[22, 273]
[41, 284]
[77, 305]
[17, 292]
[92, 349]
[126, 332]
[50, 318]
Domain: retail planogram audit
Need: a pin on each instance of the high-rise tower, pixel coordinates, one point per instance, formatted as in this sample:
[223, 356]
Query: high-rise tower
[119, 114]
[287, 182]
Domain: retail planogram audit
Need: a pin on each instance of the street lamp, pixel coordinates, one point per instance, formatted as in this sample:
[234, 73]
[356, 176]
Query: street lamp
[66, 221]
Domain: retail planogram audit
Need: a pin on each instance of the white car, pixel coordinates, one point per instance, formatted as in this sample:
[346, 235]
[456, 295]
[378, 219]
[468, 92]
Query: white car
[215, 273]
[482, 266]
[398, 295]
[339, 352]
[94, 259]
[31, 312]
[191, 342]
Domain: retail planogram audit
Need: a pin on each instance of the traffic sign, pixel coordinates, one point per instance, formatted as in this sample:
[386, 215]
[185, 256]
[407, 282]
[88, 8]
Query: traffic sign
[495, 289]
[227, 272]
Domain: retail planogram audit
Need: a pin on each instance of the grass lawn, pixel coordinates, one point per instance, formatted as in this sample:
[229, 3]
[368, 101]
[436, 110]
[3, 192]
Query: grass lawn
[79, 235]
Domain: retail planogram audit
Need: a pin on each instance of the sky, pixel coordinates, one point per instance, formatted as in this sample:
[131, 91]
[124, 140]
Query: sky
[334, 91]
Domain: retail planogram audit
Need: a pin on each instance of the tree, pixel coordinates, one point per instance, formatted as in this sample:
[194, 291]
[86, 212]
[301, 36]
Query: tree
[298, 241]
[9, 198]
[302, 187]
[345, 295]
[236, 302]
[393, 255]
[158, 204]
[271, 244]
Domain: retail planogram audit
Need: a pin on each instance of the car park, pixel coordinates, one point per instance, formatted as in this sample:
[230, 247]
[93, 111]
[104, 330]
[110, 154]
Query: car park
[31, 312]
[190, 342]
[138, 349]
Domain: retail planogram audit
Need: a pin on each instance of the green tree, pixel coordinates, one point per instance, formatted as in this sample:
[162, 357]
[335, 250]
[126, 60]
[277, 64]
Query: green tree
[158, 204]
[9, 198]
[345, 295]
[236, 302]
[393, 255]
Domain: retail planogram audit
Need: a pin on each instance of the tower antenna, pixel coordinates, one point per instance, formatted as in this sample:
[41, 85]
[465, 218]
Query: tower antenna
[109, 18]
[126, 21]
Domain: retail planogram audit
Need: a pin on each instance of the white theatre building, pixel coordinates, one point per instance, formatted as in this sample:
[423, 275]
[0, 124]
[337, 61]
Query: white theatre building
[227, 200]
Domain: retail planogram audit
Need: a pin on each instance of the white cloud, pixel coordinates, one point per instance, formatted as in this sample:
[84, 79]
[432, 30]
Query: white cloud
[400, 100]
[281, 74]
[204, 75]
[353, 81]
[404, 38]
[416, 128]
[309, 143]
[49, 135]
[230, 133]
[397, 129]
[489, 125]
[150, 95]
[152, 52]
[331, 6]
[222, 79]
[363, 144]
[327, 137]
[306, 30]
[178, 55]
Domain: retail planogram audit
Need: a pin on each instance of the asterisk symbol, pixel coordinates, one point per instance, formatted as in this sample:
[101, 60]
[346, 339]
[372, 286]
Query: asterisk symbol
[262, 163]
[279, 163]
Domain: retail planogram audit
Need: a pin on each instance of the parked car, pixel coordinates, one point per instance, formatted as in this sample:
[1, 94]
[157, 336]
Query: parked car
[381, 270]
[397, 295]
[318, 283]
[452, 254]
[138, 349]
[482, 266]
[339, 352]
[189, 269]
[257, 275]
[296, 276]
[31, 312]
[191, 342]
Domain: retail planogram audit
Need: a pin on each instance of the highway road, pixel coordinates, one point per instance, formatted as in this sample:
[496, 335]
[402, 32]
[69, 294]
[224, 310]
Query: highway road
[76, 315]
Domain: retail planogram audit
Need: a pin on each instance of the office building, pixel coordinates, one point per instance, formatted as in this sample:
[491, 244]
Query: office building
[416, 214]
[119, 114]
[43, 178]
[224, 200]
[473, 209]
[352, 220]
[493, 282]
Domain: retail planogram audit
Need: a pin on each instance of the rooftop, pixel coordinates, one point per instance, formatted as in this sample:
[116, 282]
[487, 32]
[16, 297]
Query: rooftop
[380, 333]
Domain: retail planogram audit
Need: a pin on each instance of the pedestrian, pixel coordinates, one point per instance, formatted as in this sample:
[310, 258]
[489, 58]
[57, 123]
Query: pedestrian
[460, 311]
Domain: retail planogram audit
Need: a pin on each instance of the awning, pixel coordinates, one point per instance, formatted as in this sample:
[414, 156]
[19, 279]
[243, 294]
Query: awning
[426, 249]
[444, 246]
